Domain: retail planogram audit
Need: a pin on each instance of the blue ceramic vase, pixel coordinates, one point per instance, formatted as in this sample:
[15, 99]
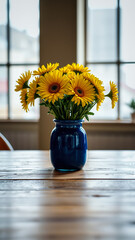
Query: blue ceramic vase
[68, 145]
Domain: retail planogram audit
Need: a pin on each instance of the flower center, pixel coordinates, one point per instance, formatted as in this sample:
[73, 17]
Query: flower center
[77, 71]
[53, 88]
[26, 97]
[79, 92]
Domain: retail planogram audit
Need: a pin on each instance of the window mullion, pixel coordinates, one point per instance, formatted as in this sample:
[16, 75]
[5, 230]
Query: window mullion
[8, 58]
[118, 54]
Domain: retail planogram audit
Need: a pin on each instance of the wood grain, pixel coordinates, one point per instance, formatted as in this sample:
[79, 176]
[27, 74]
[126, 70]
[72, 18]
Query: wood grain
[39, 203]
[37, 165]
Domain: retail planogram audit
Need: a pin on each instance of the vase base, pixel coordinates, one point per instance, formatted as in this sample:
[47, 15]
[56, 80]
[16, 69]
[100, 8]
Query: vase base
[66, 170]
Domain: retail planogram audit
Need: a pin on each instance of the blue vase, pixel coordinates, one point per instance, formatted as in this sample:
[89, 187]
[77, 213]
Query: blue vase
[68, 145]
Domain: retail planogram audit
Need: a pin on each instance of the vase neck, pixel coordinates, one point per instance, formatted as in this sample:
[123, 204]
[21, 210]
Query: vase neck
[68, 123]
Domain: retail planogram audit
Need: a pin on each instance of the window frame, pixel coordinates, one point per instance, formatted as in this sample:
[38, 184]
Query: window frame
[8, 64]
[118, 62]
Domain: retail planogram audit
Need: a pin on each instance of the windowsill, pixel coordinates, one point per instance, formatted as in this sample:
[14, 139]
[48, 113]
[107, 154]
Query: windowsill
[95, 126]
[128, 121]
[91, 122]
[110, 126]
[18, 125]
[19, 121]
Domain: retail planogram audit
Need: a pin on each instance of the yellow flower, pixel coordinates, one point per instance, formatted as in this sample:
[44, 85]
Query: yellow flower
[64, 70]
[99, 88]
[113, 93]
[82, 90]
[77, 68]
[32, 93]
[53, 86]
[23, 81]
[43, 69]
[71, 75]
[23, 99]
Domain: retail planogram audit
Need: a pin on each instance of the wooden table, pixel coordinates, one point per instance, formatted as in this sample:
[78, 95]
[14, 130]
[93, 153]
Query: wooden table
[37, 202]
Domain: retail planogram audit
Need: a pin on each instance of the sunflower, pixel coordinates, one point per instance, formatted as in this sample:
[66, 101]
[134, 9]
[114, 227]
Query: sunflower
[23, 99]
[23, 81]
[32, 94]
[64, 70]
[43, 69]
[77, 68]
[99, 88]
[82, 90]
[113, 93]
[71, 75]
[53, 86]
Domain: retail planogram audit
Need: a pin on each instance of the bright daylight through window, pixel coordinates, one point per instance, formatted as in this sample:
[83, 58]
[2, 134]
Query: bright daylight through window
[19, 51]
[110, 50]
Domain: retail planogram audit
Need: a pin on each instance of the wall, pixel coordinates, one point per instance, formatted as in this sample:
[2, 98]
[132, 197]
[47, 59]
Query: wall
[21, 135]
[110, 135]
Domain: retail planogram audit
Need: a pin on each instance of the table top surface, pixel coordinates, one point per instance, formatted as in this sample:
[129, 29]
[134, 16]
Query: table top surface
[37, 202]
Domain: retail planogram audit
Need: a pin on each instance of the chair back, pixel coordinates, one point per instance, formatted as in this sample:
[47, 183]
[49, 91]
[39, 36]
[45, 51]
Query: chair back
[4, 143]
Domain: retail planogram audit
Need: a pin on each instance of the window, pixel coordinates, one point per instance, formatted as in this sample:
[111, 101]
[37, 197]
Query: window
[19, 51]
[110, 50]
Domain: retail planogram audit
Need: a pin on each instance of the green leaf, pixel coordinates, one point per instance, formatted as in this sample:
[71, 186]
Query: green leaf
[90, 113]
[86, 116]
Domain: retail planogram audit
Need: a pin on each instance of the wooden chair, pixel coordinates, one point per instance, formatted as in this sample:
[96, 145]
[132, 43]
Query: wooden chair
[4, 143]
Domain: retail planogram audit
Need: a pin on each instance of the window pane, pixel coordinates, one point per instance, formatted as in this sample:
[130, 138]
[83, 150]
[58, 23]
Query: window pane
[24, 30]
[16, 109]
[105, 73]
[3, 93]
[127, 30]
[101, 30]
[3, 31]
[127, 89]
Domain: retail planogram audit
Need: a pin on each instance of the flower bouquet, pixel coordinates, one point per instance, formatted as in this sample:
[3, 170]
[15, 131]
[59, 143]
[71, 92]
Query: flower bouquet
[70, 93]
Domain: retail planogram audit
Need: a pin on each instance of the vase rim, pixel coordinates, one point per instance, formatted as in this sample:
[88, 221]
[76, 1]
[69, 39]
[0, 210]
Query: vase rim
[68, 121]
